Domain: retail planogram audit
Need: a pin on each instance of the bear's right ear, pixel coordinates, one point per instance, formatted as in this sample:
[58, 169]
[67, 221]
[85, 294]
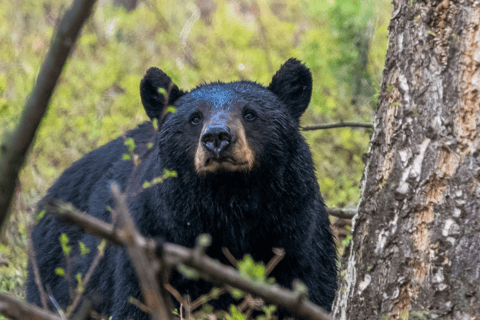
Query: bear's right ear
[153, 99]
[293, 85]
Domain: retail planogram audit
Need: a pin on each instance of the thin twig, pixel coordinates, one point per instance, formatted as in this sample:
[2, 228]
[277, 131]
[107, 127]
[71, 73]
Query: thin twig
[36, 273]
[13, 149]
[174, 292]
[140, 305]
[206, 297]
[279, 254]
[86, 279]
[137, 248]
[230, 257]
[337, 125]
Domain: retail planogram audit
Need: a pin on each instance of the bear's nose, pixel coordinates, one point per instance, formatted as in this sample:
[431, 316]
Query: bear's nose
[217, 140]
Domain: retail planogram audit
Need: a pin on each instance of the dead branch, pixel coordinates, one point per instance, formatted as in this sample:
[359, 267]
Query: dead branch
[212, 270]
[87, 222]
[16, 309]
[154, 295]
[36, 272]
[13, 149]
[337, 125]
[85, 280]
[342, 213]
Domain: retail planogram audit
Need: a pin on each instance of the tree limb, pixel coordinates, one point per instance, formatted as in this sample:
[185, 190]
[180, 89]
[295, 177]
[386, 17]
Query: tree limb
[153, 294]
[337, 125]
[342, 213]
[16, 309]
[13, 149]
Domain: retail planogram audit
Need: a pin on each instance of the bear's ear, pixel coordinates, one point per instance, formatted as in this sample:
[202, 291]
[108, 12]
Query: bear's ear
[153, 97]
[293, 85]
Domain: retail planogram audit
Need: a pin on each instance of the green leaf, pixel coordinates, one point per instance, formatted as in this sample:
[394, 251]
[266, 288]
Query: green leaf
[300, 287]
[251, 270]
[126, 157]
[204, 240]
[237, 294]
[64, 243]
[130, 143]
[430, 32]
[169, 174]
[101, 246]
[172, 109]
[146, 185]
[83, 248]
[155, 123]
[235, 314]
[150, 145]
[80, 287]
[39, 216]
[215, 293]
[187, 272]
[162, 91]
[60, 272]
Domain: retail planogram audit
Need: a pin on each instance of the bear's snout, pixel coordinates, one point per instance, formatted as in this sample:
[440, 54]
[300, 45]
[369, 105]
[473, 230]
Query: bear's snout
[217, 140]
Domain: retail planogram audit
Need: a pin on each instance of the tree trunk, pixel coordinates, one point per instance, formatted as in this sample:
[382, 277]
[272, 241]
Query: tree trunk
[416, 242]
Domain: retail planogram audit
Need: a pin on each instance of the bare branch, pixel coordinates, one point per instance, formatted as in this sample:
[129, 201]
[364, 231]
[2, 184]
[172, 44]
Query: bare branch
[337, 125]
[87, 222]
[136, 245]
[16, 309]
[36, 272]
[13, 149]
[86, 279]
[279, 253]
[342, 213]
[210, 269]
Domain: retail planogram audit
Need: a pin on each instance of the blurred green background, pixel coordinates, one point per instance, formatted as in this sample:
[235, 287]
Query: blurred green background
[194, 41]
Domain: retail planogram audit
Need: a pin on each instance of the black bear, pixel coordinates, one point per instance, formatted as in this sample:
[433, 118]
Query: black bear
[244, 175]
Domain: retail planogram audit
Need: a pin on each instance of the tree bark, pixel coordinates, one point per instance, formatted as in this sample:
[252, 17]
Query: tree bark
[416, 241]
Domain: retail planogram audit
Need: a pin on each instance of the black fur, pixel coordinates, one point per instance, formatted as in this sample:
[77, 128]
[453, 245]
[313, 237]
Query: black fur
[276, 204]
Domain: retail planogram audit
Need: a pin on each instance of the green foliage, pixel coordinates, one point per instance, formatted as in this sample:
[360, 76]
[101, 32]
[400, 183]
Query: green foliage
[269, 312]
[101, 246]
[204, 240]
[234, 314]
[64, 243]
[166, 174]
[237, 294]
[83, 248]
[187, 272]
[39, 216]
[80, 287]
[60, 271]
[252, 270]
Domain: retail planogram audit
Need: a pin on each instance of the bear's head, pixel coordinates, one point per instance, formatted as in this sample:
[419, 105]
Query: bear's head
[228, 127]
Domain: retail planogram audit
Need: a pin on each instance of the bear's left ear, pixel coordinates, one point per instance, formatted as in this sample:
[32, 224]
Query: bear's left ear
[153, 99]
[293, 85]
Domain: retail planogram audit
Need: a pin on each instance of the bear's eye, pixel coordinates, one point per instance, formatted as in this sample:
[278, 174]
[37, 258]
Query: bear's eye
[249, 115]
[195, 118]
